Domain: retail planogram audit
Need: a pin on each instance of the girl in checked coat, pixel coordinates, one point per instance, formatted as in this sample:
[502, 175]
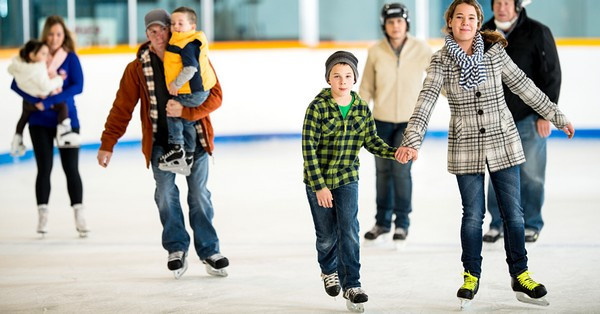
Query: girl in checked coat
[471, 67]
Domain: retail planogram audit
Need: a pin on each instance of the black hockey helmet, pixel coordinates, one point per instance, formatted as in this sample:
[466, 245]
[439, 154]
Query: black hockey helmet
[390, 10]
[518, 5]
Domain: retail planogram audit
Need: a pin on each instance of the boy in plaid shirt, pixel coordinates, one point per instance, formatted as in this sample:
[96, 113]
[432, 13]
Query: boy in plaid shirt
[336, 125]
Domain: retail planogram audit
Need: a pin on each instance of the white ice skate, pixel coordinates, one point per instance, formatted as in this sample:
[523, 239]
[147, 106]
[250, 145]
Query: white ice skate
[80, 223]
[42, 227]
[178, 263]
[216, 264]
[17, 149]
[355, 297]
[65, 137]
[523, 297]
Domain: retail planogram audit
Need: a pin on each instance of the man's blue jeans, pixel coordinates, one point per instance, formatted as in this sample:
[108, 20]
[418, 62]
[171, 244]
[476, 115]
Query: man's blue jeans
[338, 247]
[533, 176]
[182, 131]
[506, 184]
[394, 181]
[166, 195]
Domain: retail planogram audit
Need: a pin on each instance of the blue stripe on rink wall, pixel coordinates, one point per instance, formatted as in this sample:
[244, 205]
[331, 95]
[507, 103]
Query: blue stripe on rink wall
[6, 158]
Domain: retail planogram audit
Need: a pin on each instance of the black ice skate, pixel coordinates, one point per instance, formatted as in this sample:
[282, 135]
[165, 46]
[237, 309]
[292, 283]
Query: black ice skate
[375, 232]
[468, 290]
[529, 291]
[216, 264]
[332, 284]
[355, 297]
[400, 234]
[178, 263]
[492, 235]
[531, 235]
[172, 160]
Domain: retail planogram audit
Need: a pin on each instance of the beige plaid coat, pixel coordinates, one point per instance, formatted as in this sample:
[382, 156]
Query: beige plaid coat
[481, 127]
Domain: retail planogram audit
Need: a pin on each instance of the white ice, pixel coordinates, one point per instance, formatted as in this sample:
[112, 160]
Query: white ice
[266, 230]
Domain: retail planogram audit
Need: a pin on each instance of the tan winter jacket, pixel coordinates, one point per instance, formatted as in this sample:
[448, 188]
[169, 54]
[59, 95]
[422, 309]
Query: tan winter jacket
[394, 83]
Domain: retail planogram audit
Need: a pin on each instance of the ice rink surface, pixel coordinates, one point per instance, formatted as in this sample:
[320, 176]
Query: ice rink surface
[265, 227]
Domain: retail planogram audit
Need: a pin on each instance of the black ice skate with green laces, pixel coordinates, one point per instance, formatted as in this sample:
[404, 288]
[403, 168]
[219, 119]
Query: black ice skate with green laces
[529, 291]
[468, 290]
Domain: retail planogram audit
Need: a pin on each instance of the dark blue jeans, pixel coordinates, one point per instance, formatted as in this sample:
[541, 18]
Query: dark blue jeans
[506, 185]
[533, 176]
[174, 235]
[394, 181]
[338, 247]
[182, 131]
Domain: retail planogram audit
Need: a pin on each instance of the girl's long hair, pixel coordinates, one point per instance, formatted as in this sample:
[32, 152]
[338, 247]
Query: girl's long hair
[489, 36]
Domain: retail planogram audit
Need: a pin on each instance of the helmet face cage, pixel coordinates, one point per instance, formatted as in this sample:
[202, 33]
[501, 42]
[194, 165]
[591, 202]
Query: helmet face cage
[390, 10]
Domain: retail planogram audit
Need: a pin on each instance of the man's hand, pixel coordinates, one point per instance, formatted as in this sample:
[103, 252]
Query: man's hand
[324, 198]
[103, 158]
[173, 89]
[543, 127]
[174, 108]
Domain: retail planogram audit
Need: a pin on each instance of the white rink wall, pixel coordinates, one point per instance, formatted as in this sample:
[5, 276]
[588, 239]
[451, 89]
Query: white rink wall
[267, 91]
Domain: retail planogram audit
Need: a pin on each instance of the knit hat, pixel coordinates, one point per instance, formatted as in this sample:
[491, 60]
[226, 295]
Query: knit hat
[341, 57]
[157, 16]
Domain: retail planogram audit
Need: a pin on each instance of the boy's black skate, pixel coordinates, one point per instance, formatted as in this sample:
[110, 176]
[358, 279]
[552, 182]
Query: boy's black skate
[375, 232]
[529, 291]
[178, 263]
[216, 264]
[400, 234]
[355, 297]
[332, 284]
[174, 159]
[492, 235]
[531, 235]
[468, 290]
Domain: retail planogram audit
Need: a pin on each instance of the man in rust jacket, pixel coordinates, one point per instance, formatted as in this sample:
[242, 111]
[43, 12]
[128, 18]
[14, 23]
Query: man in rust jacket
[144, 80]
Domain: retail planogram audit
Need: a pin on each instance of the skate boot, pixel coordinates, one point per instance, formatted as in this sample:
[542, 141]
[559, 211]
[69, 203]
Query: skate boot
[216, 264]
[80, 224]
[332, 284]
[468, 290]
[17, 149]
[375, 232]
[189, 162]
[172, 160]
[531, 235]
[529, 291]
[65, 137]
[492, 235]
[355, 297]
[42, 227]
[178, 263]
[400, 234]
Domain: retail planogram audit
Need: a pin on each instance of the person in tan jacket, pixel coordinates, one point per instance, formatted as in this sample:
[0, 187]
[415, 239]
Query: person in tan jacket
[393, 77]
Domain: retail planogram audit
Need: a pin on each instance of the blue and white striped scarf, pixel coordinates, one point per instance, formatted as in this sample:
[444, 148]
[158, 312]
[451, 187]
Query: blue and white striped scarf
[472, 70]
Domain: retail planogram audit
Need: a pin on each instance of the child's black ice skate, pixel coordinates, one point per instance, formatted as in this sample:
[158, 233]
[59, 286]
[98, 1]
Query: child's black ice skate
[172, 160]
[375, 232]
[332, 284]
[178, 263]
[468, 290]
[529, 291]
[355, 297]
[492, 235]
[216, 264]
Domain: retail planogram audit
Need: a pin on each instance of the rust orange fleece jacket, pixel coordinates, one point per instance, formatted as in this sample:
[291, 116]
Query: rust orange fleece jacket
[133, 88]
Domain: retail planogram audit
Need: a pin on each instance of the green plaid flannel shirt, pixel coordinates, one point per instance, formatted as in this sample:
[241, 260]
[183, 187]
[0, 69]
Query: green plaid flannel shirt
[330, 143]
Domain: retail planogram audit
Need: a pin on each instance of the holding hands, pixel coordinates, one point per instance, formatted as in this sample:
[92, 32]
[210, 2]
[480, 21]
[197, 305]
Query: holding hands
[406, 154]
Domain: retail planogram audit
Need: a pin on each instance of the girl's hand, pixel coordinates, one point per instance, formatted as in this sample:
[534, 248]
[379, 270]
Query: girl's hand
[569, 130]
[324, 198]
[406, 154]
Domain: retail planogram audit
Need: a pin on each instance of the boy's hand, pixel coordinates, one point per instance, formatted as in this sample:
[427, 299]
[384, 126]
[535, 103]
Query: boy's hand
[173, 89]
[569, 130]
[406, 154]
[324, 198]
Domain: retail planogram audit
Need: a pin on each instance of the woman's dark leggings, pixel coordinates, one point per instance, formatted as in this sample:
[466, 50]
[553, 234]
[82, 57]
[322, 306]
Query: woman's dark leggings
[42, 139]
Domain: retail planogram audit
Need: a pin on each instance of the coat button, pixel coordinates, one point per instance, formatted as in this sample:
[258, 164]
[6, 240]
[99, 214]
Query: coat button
[482, 130]
[479, 112]
[478, 94]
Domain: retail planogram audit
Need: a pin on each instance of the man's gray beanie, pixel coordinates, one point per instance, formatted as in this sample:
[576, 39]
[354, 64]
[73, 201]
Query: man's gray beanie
[341, 57]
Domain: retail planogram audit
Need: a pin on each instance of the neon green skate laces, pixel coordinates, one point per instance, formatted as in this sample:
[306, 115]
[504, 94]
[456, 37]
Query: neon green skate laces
[526, 281]
[470, 281]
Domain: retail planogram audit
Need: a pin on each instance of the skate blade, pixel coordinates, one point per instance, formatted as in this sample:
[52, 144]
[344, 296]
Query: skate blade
[522, 297]
[42, 234]
[177, 273]
[399, 244]
[355, 307]
[83, 234]
[216, 272]
[465, 303]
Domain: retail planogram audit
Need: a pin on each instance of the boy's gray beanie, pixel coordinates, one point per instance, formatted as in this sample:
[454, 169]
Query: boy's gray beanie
[341, 57]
